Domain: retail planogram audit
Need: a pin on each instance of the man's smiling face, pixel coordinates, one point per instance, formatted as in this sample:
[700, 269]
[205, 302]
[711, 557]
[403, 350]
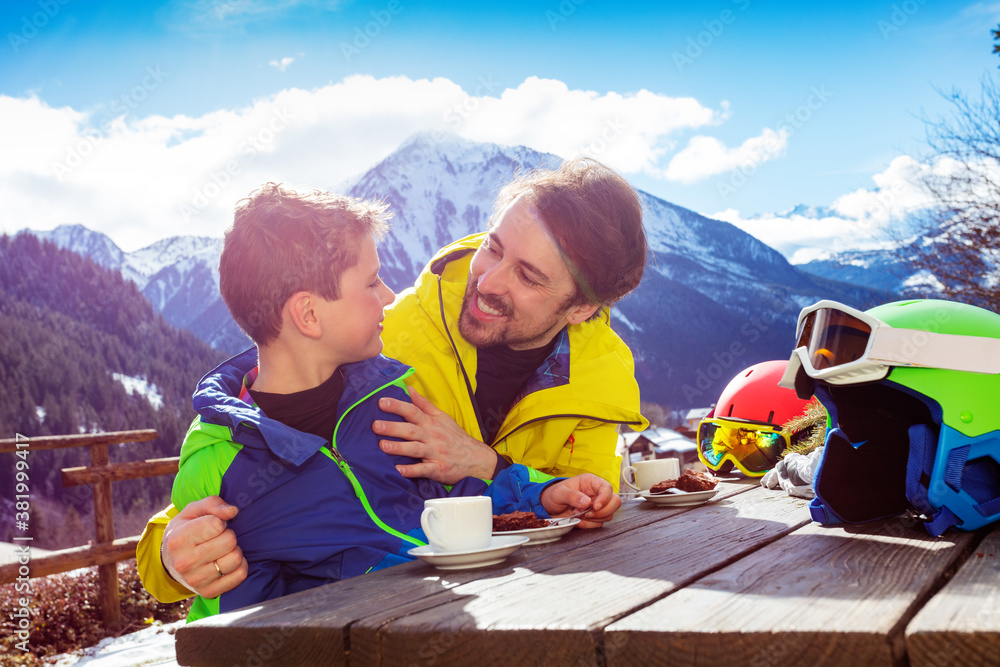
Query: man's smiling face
[519, 293]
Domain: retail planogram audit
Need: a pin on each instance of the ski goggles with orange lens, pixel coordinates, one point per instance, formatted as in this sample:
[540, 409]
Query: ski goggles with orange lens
[840, 345]
[753, 447]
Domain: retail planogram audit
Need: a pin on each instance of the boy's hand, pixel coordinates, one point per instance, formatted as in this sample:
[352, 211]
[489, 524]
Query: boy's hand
[449, 454]
[200, 552]
[577, 494]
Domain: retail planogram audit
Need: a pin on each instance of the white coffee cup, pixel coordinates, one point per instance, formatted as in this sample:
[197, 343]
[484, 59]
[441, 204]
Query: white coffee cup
[647, 473]
[458, 524]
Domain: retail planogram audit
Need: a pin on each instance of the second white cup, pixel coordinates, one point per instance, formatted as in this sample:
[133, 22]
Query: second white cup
[647, 473]
[458, 524]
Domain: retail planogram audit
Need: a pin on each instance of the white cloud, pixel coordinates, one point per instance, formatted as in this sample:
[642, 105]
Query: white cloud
[632, 132]
[898, 193]
[982, 9]
[865, 219]
[282, 64]
[707, 156]
[141, 178]
[33, 134]
[213, 15]
[802, 238]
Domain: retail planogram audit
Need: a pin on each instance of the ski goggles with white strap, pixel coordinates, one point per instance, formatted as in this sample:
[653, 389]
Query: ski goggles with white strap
[840, 345]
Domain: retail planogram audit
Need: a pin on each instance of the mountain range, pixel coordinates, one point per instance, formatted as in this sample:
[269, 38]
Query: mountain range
[884, 271]
[83, 351]
[713, 301]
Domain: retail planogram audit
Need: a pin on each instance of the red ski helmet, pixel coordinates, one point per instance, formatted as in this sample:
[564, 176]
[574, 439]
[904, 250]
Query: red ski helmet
[745, 428]
[754, 395]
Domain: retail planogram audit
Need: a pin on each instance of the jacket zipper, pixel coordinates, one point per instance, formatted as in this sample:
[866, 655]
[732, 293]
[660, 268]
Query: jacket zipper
[458, 358]
[345, 467]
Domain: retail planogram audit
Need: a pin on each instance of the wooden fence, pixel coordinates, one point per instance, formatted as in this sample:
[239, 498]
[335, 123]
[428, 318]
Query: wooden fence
[106, 551]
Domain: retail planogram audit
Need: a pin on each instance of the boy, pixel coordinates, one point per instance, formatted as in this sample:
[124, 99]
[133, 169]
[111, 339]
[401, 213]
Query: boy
[284, 430]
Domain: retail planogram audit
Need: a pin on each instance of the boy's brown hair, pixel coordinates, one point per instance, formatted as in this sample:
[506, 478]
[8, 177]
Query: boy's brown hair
[283, 241]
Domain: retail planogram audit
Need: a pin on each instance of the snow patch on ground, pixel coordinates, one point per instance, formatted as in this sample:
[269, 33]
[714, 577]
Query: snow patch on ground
[152, 646]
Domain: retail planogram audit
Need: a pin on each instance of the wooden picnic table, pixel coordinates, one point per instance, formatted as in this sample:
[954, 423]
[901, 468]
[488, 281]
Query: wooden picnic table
[746, 579]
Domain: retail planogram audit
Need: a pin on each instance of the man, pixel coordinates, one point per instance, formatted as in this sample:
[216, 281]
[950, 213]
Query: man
[515, 359]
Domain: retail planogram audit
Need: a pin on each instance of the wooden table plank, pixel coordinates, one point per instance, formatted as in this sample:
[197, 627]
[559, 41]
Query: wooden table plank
[313, 624]
[961, 624]
[311, 627]
[818, 596]
[560, 607]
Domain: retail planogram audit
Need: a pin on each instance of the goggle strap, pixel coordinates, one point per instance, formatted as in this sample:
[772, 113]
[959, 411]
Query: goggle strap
[925, 349]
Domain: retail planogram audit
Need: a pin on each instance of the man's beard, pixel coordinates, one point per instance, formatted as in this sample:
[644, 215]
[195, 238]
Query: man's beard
[481, 335]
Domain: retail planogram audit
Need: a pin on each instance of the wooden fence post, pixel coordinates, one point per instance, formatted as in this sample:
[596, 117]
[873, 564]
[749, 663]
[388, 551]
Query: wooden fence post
[106, 551]
[104, 525]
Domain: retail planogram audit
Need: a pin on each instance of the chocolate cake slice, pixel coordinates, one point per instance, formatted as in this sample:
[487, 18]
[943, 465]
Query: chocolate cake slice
[517, 521]
[689, 481]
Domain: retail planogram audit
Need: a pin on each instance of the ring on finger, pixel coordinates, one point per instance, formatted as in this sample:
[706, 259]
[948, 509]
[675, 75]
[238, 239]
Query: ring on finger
[217, 568]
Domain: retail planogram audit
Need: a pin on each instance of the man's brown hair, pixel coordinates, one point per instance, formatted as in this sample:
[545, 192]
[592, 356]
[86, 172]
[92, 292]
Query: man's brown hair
[595, 218]
[283, 241]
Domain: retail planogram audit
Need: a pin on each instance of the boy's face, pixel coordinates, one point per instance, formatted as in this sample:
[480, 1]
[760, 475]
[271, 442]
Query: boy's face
[355, 319]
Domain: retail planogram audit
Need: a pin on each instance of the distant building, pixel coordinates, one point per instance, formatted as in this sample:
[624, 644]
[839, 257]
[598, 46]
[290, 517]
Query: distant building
[694, 417]
[659, 443]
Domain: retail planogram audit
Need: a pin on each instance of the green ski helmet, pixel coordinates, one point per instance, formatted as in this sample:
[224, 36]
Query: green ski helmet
[913, 393]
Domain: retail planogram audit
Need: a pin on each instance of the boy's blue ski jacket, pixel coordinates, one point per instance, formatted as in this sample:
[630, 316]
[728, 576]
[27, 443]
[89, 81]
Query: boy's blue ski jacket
[302, 520]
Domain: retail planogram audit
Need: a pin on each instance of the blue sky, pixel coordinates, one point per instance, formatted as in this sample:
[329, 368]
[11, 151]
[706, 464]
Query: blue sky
[145, 120]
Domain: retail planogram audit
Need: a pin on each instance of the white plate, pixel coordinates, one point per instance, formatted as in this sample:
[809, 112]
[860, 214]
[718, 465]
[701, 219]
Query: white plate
[545, 534]
[679, 499]
[500, 547]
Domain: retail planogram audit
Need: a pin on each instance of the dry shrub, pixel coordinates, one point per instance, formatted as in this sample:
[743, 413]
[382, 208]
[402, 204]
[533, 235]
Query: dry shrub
[66, 613]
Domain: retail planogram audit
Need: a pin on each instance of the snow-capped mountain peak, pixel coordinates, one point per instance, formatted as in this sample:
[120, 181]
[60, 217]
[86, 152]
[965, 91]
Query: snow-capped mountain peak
[86, 242]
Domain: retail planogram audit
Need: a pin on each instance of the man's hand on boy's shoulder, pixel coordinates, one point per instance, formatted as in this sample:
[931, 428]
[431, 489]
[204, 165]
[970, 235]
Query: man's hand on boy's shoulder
[448, 453]
[200, 552]
[576, 494]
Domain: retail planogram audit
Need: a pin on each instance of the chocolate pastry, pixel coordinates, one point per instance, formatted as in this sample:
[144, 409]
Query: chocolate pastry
[517, 521]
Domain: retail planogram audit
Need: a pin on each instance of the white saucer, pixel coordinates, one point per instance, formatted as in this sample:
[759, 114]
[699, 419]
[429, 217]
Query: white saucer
[679, 498]
[500, 547]
[542, 535]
